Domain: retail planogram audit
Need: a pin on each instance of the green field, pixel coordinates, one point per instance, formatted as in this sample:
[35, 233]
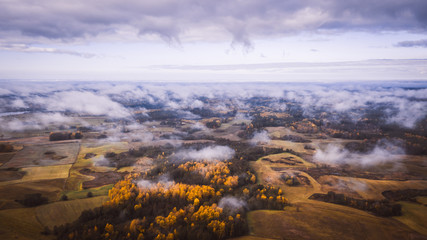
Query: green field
[100, 191]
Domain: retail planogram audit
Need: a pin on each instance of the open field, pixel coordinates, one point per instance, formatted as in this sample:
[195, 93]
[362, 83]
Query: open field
[41, 173]
[44, 155]
[318, 220]
[291, 224]
[367, 188]
[100, 191]
[21, 224]
[414, 216]
[5, 157]
[76, 179]
[62, 212]
[48, 188]
[46, 172]
[286, 160]
[422, 200]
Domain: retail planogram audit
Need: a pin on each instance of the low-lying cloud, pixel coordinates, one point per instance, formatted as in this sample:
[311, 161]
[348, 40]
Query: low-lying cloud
[232, 204]
[261, 137]
[210, 153]
[334, 154]
[83, 102]
[399, 104]
[37, 121]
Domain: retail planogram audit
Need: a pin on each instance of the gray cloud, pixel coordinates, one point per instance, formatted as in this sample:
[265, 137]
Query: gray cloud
[238, 21]
[418, 43]
[30, 49]
[298, 65]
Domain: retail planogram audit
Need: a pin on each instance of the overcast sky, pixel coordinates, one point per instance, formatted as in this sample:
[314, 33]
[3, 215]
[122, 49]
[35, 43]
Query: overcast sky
[221, 40]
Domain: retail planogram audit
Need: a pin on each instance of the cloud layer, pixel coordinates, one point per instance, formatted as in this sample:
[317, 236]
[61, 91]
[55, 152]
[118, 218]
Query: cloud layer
[399, 103]
[174, 21]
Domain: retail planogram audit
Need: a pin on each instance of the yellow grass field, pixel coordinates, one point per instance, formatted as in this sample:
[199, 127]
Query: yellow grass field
[76, 179]
[422, 200]
[100, 191]
[21, 224]
[41, 173]
[62, 212]
[46, 172]
[367, 188]
[414, 215]
[48, 188]
[318, 220]
[268, 172]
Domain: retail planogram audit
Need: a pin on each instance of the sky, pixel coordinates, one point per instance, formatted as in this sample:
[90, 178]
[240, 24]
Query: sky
[222, 40]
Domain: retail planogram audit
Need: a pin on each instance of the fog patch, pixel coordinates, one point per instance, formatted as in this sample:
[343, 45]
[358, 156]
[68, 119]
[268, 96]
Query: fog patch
[101, 161]
[145, 184]
[163, 181]
[199, 127]
[242, 117]
[261, 137]
[351, 183]
[334, 154]
[232, 204]
[83, 102]
[210, 153]
[36, 121]
[133, 132]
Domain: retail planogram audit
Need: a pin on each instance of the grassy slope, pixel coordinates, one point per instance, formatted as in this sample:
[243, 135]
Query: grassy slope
[20, 224]
[370, 189]
[48, 188]
[62, 212]
[414, 216]
[318, 220]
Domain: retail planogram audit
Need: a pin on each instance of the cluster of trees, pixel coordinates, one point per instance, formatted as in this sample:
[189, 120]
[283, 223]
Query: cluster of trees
[290, 180]
[146, 206]
[383, 208]
[246, 151]
[129, 158]
[404, 195]
[294, 138]
[305, 126]
[260, 122]
[215, 123]
[32, 200]
[6, 147]
[59, 136]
